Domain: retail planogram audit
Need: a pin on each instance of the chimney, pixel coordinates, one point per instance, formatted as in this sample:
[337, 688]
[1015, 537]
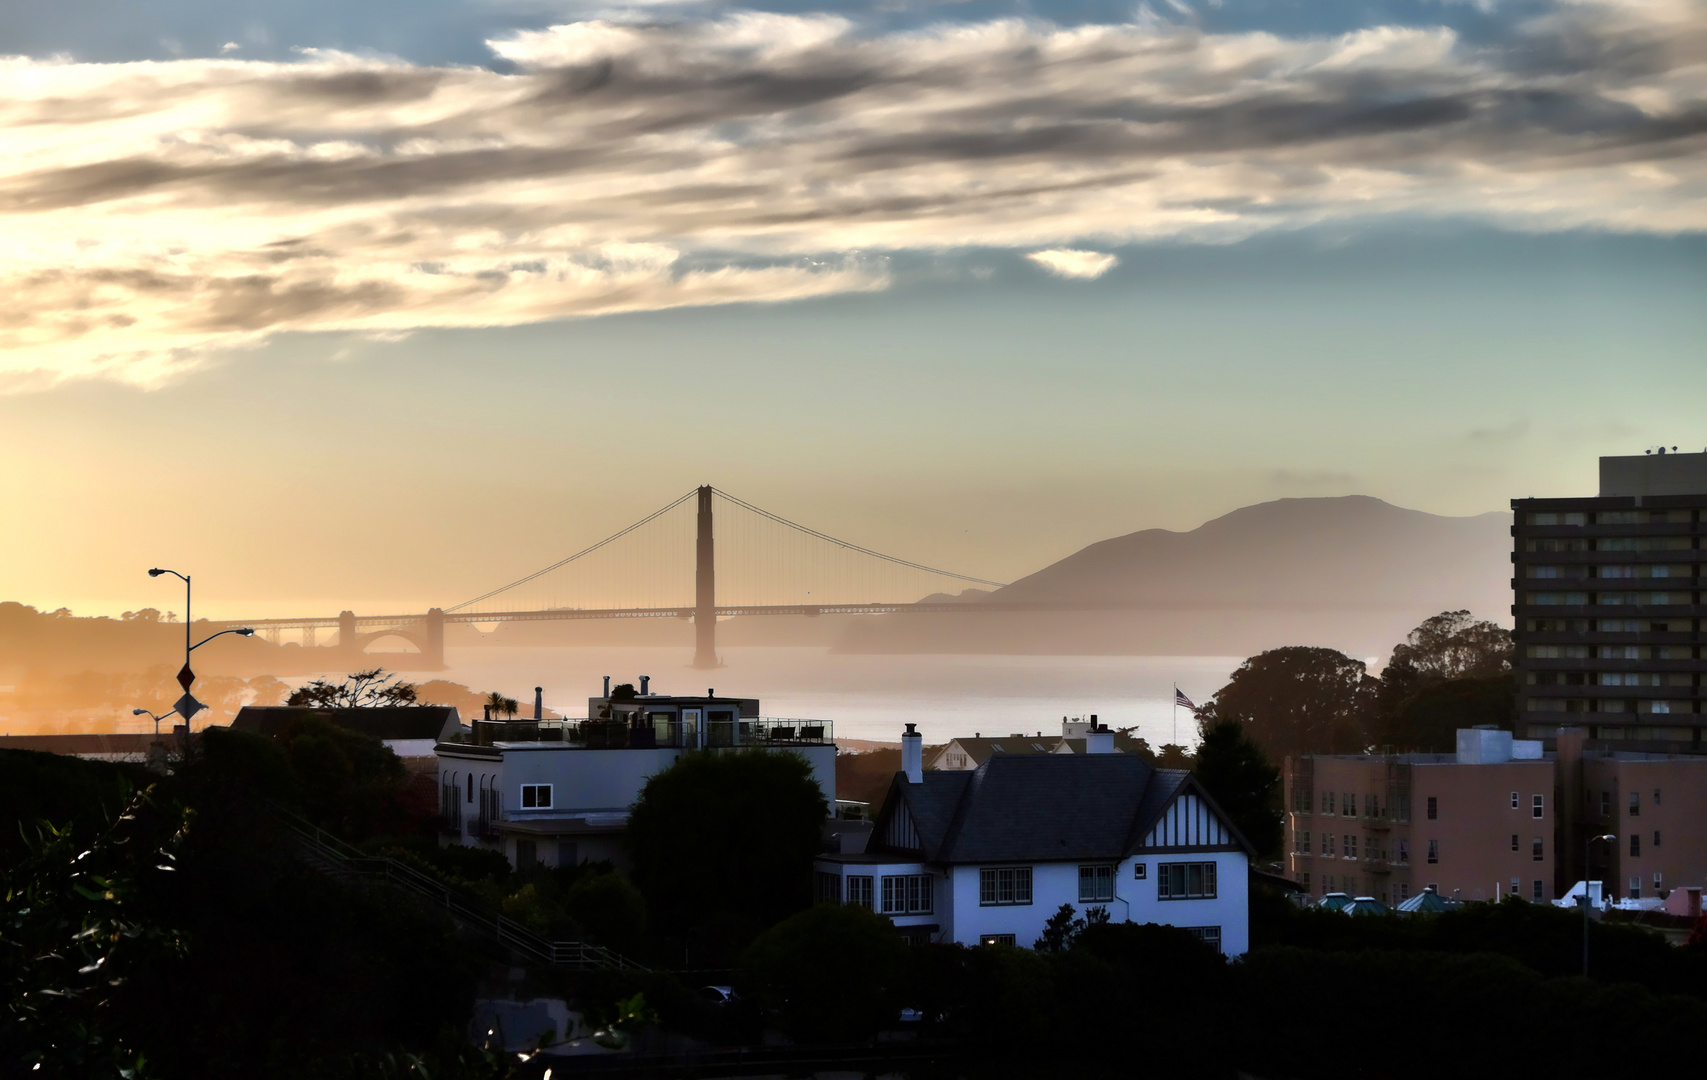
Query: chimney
[913, 755]
[607, 687]
[1098, 739]
[645, 685]
[539, 703]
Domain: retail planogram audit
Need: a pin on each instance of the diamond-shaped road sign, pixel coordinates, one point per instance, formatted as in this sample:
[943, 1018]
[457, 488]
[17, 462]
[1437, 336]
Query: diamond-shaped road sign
[186, 677]
[187, 707]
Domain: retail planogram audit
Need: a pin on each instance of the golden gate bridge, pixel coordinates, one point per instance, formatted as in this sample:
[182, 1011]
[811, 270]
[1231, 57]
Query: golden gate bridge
[769, 566]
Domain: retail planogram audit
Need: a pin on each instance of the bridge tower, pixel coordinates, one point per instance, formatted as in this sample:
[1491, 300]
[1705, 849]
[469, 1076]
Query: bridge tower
[705, 589]
[347, 637]
[433, 655]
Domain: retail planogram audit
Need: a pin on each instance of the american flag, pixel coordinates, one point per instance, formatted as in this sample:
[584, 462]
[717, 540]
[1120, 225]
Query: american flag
[1181, 699]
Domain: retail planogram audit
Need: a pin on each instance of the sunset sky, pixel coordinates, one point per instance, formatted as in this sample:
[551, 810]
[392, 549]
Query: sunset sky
[380, 305]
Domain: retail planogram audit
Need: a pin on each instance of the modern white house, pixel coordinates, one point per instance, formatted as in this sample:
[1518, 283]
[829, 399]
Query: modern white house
[986, 856]
[558, 792]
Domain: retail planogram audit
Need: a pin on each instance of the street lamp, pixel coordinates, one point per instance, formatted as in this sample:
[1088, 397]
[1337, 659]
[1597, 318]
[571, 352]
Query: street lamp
[157, 717]
[187, 706]
[1588, 848]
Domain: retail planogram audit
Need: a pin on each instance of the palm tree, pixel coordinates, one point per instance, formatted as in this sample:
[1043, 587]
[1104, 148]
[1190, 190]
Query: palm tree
[499, 705]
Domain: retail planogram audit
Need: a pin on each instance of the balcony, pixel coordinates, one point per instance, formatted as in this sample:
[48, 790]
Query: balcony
[761, 731]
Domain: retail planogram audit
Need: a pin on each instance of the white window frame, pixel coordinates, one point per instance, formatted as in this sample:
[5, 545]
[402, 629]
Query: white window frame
[1096, 883]
[1209, 935]
[907, 894]
[534, 790]
[1538, 806]
[1004, 886]
[997, 939]
[1204, 887]
[861, 891]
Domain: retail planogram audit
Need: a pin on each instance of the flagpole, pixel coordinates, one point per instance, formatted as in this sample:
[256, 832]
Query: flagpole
[1176, 714]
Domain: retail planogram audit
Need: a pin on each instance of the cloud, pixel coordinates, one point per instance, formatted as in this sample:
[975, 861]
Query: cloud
[152, 212]
[1312, 478]
[1068, 263]
[1505, 433]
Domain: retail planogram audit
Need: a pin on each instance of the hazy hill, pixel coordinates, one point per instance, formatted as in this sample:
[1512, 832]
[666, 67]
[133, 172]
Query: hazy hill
[1353, 572]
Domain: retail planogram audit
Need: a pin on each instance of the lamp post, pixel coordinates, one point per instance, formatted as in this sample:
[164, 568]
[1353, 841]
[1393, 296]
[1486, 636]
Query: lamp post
[187, 706]
[156, 717]
[1588, 850]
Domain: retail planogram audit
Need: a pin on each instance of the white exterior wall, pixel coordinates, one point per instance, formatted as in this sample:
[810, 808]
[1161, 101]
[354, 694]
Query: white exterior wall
[1054, 884]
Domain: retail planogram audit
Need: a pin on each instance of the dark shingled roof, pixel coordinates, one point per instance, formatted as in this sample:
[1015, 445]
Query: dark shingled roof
[1036, 807]
[438, 722]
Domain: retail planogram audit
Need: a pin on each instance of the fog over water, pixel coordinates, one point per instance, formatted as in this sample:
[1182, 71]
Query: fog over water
[870, 697]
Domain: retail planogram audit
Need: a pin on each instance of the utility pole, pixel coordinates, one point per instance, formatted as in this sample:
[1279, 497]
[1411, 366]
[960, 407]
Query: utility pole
[705, 589]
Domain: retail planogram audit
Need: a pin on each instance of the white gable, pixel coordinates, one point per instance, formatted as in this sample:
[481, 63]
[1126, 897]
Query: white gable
[1188, 822]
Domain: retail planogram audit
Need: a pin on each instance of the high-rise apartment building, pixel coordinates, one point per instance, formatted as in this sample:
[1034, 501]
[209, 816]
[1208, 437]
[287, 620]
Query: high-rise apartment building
[1609, 615]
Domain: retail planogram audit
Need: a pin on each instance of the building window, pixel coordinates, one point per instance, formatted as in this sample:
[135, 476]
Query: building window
[536, 796]
[1185, 881]
[1433, 808]
[1539, 894]
[1348, 804]
[1606, 804]
[1328, 844]
[1139, 871]
[1656, 796]
[997, 939]
[1402, 892]
[1304, 880]
[1656, 838]
[1350, 841]
[1327, 802]
[1657, 880]
[1096, 884]
[1538, 806]
[1327, 884]
[1303, 844]
[1635, 804]
[1209, 935]
[910, 894]
[1514, 841]
[1003, 885]
[1371, 806]
[1434, 851]
[1516, 887]
[1635, 844]
[1402, 852]
[1535, 850]
[1635, 888]
[829, 889]
[860, 891]
[1514, 800]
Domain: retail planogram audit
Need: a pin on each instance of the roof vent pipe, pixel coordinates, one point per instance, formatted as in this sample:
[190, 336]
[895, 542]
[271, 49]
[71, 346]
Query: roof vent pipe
[645, 685]
[539, 703]
[913, 755]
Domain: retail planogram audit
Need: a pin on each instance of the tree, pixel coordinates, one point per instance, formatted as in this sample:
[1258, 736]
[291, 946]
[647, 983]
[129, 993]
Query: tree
[499, 705]
[1297, 700]
[360, 689]
[1233, 770]
[727, 834]
[789, 971]
[1064, 927]
[1450, 672]
[609, 909]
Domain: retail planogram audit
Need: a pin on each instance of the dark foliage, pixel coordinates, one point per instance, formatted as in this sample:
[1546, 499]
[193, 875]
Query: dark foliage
[722, 844]
[1297, 701]
[359, 689]
[785, 972]
[1232, 769]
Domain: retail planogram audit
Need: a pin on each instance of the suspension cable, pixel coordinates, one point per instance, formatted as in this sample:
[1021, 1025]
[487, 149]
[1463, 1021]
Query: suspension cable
[584, 551]
[842, 543]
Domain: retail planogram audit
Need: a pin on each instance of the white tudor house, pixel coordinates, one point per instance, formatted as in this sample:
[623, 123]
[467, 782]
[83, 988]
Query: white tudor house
[558, 792]
[988, 855]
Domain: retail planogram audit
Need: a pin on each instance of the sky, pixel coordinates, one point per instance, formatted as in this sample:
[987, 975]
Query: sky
[381, 305]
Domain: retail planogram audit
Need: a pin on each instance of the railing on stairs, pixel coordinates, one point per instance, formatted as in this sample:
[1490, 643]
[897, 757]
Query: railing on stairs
[328, 851]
